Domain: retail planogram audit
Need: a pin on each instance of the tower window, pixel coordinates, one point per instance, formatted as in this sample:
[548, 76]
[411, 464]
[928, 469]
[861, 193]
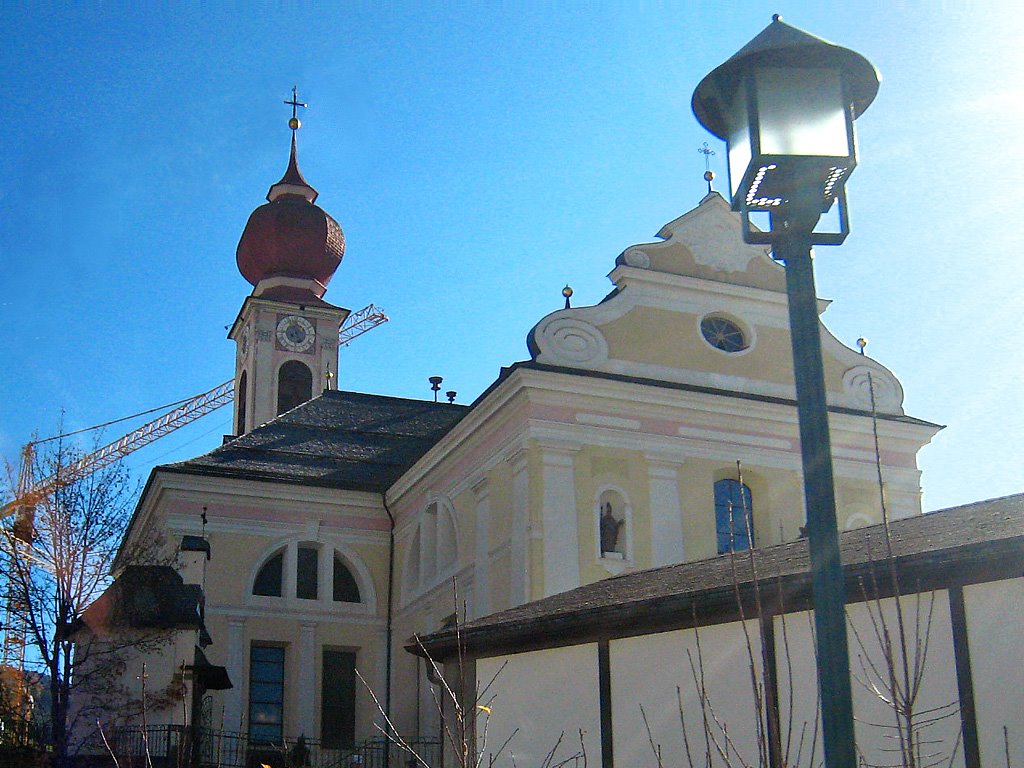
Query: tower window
[268, 580]
[240, 395]
[734, 516]
[294, 385]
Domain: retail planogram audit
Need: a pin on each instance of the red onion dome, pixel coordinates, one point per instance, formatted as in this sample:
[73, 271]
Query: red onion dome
[290, 236]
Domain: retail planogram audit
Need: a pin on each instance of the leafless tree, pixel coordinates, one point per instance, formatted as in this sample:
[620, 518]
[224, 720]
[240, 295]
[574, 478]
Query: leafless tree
[57, 557]
[464, 708]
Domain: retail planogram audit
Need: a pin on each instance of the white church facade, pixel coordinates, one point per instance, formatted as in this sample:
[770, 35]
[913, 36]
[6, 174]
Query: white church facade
[654, 428]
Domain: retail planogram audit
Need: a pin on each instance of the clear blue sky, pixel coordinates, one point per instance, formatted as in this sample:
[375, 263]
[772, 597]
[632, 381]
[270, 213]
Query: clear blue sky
[478, 156]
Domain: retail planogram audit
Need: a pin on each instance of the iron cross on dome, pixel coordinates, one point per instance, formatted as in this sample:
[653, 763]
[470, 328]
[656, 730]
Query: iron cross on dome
[294, 123]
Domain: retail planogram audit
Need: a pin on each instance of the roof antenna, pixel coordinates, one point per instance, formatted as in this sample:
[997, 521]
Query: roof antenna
[435, 384]
[709, 175]
[450, 394]
[567, 294]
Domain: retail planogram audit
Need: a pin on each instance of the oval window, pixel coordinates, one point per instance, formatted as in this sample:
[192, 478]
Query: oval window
[723, 334]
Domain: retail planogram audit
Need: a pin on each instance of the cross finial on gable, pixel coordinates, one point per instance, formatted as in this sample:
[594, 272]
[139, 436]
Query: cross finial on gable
[709, 175]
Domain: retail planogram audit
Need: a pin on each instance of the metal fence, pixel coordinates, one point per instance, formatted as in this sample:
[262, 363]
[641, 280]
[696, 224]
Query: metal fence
[18, 732]
[169, 746]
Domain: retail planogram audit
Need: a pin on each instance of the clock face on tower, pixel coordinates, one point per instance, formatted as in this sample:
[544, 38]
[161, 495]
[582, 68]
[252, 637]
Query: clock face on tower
[295, 333]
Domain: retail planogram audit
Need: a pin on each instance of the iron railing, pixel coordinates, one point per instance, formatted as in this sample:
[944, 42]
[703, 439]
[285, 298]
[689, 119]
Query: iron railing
[169, 746]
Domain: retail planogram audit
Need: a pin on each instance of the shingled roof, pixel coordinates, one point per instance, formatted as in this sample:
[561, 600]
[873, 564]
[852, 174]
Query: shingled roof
[972, 543]
[345, 440]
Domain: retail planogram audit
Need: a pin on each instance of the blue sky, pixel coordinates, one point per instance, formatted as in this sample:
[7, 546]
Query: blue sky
[478, 158]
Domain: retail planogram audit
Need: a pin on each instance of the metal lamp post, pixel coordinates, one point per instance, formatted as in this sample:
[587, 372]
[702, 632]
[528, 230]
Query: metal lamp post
[785, 105]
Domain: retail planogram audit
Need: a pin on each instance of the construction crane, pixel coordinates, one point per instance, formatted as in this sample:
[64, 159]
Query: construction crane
[30, 492]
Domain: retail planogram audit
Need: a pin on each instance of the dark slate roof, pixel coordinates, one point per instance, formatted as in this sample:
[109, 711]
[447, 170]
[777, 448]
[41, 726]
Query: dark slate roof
[345, 440]
[961, 545]
[147, 597]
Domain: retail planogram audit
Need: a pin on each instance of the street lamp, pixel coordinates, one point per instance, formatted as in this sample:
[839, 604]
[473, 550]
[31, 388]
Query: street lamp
[785, 105]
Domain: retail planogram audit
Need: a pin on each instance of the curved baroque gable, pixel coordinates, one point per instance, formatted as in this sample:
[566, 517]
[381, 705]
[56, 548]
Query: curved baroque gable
[654, 325]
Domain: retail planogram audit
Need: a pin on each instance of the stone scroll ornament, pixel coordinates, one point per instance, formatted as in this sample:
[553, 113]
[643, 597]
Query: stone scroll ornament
[572, 342]
[857, 388]
[636, 258]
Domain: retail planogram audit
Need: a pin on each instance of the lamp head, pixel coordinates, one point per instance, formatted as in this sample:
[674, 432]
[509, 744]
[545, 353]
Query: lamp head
[785, 105]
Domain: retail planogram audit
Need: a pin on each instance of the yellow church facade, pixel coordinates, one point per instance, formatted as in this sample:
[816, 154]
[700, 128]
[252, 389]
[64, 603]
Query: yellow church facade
[658, 426]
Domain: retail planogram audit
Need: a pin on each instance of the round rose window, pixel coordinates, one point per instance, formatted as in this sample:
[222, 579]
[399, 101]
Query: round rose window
[723, 334]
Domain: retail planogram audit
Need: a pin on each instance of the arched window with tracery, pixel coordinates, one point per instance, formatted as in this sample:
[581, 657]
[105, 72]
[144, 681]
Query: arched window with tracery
[335, 581]
[433, 551]
[269, 577]
[294, 385]
[734, 516]
[346, 590]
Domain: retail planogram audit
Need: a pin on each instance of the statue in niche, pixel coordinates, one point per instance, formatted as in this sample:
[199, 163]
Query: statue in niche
[610, 526]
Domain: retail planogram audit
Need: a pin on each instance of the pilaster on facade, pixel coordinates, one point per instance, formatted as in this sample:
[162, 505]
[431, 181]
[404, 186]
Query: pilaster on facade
[289, 571]
[481, 556]
[903, 496]
[667, 544]
[560, 543]
[519, 546]
[308, 656]
[235, 667]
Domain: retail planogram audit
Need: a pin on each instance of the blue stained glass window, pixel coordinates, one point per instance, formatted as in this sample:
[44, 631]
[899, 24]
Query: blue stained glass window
[266, 694]
[734, 516]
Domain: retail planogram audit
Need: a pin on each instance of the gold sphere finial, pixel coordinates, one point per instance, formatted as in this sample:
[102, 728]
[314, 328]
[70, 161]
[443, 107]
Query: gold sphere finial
[862, 342]
[567, 291]
[294, 123]
[709, 176]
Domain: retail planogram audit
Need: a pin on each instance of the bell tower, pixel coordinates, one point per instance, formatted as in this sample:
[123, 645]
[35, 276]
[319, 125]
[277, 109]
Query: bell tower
[286, 335]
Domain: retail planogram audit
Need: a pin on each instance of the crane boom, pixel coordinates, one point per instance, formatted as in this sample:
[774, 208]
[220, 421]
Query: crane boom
[360, 322]
[29, 493]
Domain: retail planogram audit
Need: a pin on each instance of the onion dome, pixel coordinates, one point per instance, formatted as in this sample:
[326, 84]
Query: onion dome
[290, 236]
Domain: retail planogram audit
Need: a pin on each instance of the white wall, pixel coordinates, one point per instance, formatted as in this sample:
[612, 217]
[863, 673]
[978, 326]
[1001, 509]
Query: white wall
[647, 671]
[995, 629]
[547, 695]
[547, 692]
[799, 723]
[930, 649]
[929, 643]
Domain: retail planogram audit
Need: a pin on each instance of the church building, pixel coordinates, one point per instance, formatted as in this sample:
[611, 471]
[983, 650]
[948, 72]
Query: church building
[656, 427]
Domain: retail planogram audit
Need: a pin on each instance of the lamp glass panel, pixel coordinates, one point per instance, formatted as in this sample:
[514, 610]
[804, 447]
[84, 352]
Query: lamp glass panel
[801, 112]
[739, 139]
